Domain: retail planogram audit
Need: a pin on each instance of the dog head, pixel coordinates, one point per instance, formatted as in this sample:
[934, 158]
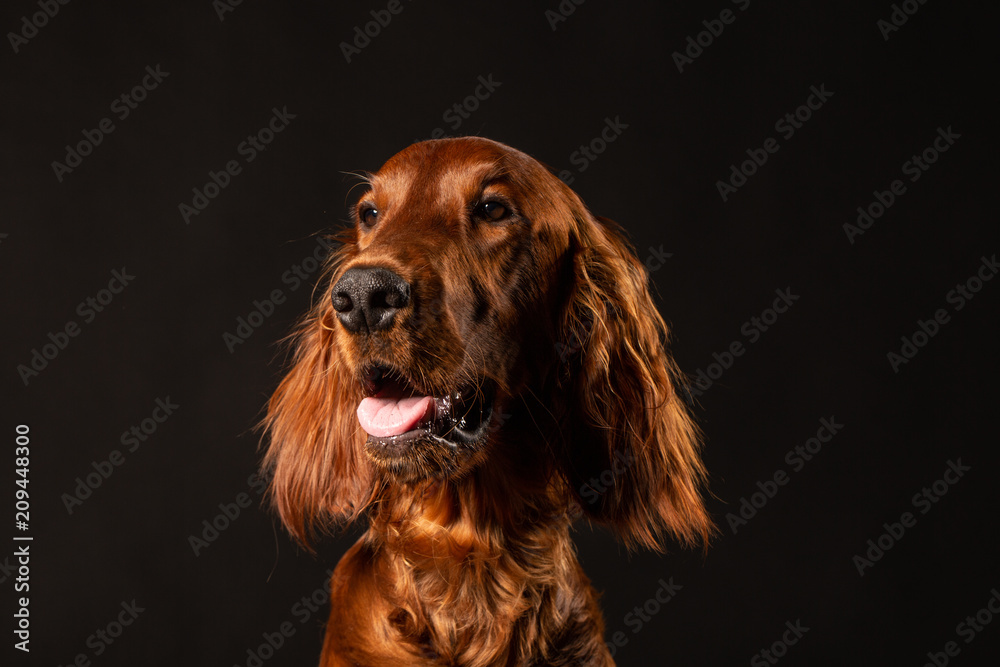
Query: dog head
[474, 284]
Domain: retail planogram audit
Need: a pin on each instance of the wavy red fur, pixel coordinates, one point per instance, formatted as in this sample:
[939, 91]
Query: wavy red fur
[545, 314]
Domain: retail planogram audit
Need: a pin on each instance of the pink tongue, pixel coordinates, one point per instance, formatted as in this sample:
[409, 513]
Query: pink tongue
[383, 417]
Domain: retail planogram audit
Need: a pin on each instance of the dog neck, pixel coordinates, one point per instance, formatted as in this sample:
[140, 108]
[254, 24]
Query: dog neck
[477, 517]
[460, 572]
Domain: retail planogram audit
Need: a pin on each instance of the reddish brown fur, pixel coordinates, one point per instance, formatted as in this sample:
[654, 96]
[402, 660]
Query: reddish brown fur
[475, 566]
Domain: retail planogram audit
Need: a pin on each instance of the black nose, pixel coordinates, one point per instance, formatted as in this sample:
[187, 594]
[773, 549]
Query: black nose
[366, 299]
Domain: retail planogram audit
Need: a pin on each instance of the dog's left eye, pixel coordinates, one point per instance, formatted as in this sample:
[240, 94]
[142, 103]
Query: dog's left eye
[493, 210]
[369, 216]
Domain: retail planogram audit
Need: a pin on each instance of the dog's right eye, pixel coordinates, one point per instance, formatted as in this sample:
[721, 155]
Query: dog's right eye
[368, 216]
[493, 211]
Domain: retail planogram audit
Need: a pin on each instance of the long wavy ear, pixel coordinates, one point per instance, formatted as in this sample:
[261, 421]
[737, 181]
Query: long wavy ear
[633, 456]
[320, 475]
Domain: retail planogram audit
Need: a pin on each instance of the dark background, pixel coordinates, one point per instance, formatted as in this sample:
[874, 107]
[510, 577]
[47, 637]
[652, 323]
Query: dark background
[824, 358]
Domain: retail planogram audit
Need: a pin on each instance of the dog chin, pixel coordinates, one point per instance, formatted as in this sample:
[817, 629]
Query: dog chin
[421, 454]
[413, 436]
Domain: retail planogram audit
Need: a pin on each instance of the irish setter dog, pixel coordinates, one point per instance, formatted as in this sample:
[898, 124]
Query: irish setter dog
[482, 352]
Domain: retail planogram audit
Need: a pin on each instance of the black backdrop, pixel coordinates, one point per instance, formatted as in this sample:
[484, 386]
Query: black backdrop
[122, 552]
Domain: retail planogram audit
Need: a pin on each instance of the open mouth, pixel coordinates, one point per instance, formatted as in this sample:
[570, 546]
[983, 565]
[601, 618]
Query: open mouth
[399, 420]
